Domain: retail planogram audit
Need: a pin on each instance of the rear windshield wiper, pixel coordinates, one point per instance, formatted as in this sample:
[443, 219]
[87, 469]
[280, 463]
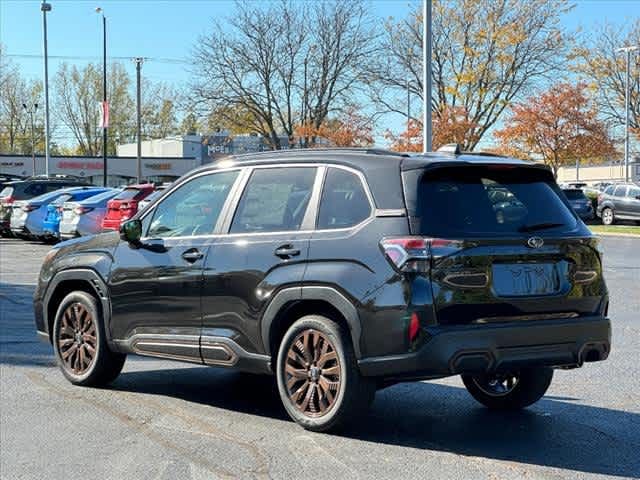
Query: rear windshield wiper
[539, 226]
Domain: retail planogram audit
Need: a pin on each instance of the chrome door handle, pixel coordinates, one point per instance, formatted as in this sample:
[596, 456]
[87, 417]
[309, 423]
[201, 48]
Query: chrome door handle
[192, 255]
[287, 251]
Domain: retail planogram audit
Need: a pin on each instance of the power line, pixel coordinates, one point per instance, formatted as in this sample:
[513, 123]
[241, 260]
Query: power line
[89, 57]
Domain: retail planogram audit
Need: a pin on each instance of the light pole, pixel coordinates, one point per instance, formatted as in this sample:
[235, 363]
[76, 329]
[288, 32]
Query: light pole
[628, 51]
[105, 105]
[410, 59]
[45, 7]
[426, 75]
[31, 110]
[138, 61]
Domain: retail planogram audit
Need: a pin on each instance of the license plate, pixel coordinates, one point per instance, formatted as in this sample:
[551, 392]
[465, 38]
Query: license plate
[526, 279]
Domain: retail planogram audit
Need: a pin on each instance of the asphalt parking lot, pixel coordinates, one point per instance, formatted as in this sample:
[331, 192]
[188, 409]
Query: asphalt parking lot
[163, 420]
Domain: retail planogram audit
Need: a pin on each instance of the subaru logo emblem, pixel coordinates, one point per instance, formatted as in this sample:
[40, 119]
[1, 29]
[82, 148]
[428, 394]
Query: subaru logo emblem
[535, 242]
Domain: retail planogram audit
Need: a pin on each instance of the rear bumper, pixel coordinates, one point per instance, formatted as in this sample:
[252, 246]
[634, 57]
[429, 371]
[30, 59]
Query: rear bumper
[487, 348]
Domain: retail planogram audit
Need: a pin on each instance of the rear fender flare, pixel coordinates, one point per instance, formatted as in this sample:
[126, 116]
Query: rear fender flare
[321, 293]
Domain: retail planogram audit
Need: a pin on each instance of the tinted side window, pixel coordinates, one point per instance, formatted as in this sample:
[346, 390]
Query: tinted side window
[609, 189]
[633, 192]
[274, 200]
[620, 191]
[193, 208]
[344, 202]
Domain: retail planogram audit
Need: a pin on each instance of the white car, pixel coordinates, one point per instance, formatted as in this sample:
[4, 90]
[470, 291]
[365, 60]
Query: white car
[85, 217]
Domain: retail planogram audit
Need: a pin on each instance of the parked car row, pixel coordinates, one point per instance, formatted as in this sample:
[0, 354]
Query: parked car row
[60, 208]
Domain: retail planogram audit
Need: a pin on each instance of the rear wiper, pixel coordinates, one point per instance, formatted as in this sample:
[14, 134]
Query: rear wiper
[539, 226]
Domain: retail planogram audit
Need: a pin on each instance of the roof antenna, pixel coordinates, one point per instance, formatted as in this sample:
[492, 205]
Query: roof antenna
[453, 148]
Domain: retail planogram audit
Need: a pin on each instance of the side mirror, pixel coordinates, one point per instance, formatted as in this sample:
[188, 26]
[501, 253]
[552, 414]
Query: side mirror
[131, 231]
[637, 197]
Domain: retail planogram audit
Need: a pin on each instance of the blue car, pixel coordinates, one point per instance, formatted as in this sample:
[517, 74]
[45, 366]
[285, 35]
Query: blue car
[51, 222]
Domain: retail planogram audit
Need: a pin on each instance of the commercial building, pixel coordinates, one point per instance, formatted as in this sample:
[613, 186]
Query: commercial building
[606, 172]
[204, 148]
[121, 170]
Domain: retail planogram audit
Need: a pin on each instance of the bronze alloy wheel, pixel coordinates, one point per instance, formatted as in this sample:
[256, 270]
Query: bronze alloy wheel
[312, 373]
[77, 340]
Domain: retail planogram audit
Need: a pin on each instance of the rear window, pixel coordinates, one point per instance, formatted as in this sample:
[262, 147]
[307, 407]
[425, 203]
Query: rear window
[101, 197]
[479, 201]
[574, 194]
[62, 198]
[127, 194]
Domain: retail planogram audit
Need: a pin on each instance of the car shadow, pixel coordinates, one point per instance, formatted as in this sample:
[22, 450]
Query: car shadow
[556, 432]
[19, 344]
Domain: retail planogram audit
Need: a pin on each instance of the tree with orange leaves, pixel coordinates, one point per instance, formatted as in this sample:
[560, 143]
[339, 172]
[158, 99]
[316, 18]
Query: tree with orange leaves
[350, 129]
[560, 125]
[451, 125]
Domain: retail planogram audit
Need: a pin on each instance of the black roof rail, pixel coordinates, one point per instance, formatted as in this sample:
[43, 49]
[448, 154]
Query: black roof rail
[297, 151]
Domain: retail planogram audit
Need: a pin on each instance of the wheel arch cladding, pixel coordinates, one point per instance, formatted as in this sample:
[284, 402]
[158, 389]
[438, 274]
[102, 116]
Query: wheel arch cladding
[290, 304]
[67, 281]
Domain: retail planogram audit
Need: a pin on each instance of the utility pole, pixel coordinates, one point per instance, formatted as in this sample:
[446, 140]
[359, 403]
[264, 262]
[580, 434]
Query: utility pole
[426, 76]
[138, 61]
[628, 51]
[105, 105]
[31, 110]
[408, 112]
[46, 7]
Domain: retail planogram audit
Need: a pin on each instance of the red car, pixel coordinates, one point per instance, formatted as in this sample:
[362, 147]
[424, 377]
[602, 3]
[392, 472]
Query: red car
[125, 205]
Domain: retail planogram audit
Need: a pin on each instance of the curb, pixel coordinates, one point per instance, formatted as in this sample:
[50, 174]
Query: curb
[616, 234]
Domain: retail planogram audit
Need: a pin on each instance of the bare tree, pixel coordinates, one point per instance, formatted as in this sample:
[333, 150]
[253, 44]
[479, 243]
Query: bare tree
[486, 53]
[15, 121]
[78, 93]
[605, 70]
[283, 64]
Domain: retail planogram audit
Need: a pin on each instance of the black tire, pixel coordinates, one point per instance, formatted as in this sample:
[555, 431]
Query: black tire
[353, 394]
[608, 217]
[531, 385]
[105, 365]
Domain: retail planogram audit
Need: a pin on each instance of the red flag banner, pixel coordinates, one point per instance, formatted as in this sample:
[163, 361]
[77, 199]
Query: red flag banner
[104, 115]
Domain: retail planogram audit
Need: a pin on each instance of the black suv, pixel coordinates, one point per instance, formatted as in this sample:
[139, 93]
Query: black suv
[27, 189]
[339, 271]
[619, 201]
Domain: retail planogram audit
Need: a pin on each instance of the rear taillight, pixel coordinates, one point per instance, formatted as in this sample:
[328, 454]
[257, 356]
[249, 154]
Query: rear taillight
[413, 254]
[414, 327]
[6, 200]
[600, 196]
[82, 210]
[29, 208]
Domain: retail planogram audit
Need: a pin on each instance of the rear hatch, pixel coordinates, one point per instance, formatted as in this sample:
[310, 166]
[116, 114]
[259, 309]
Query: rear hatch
[504, 246]
[125, 204]
[54, 213]
[577, 199]
[6, 202]
[68, 211]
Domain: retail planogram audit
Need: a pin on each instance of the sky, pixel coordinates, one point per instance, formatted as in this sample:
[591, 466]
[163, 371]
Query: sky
[165, 30]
